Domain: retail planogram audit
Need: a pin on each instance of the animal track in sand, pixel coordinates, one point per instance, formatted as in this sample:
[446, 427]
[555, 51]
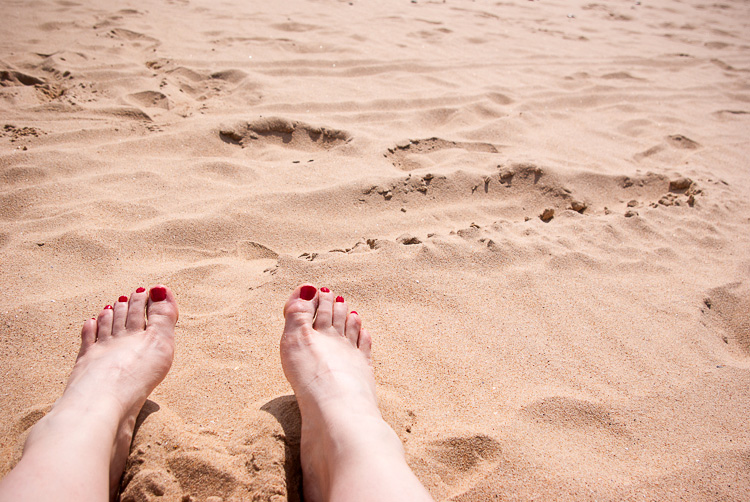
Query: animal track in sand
[283, 132]
[400, 154]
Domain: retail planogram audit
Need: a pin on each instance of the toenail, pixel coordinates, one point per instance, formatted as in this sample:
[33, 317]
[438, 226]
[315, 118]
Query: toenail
[325, 290]
[158, 294]
[354, 312]
[307, 292]
[339, 299]
[122, 299]
[108, 307]
[140, 290]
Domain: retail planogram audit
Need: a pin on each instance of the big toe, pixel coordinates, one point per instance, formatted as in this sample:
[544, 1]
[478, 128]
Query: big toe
[300, 308]
[161, 311]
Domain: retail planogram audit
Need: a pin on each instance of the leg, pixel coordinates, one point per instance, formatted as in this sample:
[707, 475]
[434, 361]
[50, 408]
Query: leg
[77, 452]
[348, 451]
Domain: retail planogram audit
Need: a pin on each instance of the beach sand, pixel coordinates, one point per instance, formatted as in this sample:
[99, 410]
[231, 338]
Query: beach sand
[540, 210]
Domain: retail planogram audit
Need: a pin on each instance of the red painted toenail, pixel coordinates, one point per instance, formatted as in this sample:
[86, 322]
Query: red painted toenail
[93, 318]
[158, 294]
[307, 292]
[140, 290]
[339, 299]
[354, 312]
[325, 290]
[108, 307]
[122, 299]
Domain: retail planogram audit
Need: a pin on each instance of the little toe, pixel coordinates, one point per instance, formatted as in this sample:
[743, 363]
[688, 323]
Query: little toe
[364, 344]
[136, 318]
[88, 335]
[119, 316]
[340, 310]
[300, 308]
[324, 315]
[161, 311]
[104, 324]
[353, 327]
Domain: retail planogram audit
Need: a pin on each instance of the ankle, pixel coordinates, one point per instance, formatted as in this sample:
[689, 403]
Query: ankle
[67, 420]
[355, 437]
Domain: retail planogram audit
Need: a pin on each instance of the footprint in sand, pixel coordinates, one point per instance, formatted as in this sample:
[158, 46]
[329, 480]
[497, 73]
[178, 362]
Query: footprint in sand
[46, 90]
[225, 172]
[203, 84]
[574, 414]
[11, 78]
[455, 464]
[405, 155]
[149, 99]
[282, 132]
[676, 141]
[728, 310]
[131, 36]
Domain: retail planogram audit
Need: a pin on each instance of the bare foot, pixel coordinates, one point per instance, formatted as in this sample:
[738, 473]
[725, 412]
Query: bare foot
[85, 439]
[348, 452]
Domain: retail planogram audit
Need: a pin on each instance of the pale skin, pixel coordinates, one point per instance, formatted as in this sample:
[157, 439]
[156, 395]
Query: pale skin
[77, 452]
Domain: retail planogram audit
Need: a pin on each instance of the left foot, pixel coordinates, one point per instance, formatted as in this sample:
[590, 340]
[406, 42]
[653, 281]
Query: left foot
[125, 353]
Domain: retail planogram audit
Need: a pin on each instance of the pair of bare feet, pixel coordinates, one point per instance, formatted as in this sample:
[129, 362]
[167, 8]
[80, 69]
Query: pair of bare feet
[78, 450]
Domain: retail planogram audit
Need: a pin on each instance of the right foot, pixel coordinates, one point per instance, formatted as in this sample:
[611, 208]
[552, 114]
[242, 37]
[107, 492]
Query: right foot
[348, 452]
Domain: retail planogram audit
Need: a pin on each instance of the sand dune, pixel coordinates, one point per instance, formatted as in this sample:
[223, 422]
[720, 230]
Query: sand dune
[539, 209]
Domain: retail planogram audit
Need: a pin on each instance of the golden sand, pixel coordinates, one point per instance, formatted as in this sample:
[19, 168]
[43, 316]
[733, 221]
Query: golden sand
[539, 209]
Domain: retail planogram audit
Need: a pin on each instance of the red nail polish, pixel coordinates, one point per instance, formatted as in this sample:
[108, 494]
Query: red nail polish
[307, 292]
[325, 290]
[354, 312]
[122, 299]
[108, 307]
[140, 290]
[93, 318]
[339, 299]
[158, 294]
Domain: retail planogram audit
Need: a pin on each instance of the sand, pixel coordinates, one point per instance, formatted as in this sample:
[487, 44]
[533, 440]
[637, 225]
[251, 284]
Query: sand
[540, 209]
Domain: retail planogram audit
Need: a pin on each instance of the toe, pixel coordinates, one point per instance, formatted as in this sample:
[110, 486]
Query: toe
[365, 343]
[136, 318]
[300, 308]
[340, 310]
[324, 315]
[120, 314]
[353, 327]
[161, 310]
[104, 324]
[88, 335]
